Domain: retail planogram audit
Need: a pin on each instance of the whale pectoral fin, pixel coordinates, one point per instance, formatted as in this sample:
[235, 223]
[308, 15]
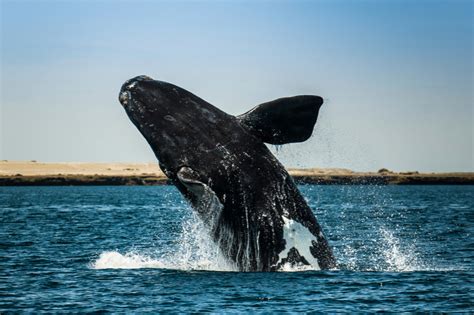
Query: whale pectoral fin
[284, 120]
[203, 198]
[190, 180]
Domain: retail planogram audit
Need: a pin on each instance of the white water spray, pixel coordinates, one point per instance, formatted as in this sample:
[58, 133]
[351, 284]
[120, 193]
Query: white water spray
[398, 259]
[194, 251]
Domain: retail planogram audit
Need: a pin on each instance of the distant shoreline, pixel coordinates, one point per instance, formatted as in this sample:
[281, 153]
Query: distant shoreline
[31, 173]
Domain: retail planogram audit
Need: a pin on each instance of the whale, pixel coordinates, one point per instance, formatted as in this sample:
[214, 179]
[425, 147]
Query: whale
[249, 204]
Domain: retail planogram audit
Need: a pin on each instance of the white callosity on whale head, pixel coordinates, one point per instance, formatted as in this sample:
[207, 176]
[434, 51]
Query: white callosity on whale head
[124, 97]
[298, 236]
[132, 85]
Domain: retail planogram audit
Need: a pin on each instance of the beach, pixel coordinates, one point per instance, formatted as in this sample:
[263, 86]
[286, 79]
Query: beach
[32, 173]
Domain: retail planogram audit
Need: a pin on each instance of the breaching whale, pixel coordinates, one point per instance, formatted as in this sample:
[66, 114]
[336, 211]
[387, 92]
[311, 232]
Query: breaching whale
[219, 162]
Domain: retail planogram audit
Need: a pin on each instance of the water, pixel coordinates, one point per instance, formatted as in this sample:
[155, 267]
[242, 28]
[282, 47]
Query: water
[141, 249]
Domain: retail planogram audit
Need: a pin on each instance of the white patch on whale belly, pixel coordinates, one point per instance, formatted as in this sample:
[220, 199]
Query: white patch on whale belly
[298, 236]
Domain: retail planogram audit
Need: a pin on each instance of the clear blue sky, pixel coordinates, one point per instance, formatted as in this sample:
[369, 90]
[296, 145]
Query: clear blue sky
[397, 76]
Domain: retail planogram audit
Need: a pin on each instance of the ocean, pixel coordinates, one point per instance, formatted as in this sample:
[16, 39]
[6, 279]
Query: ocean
[142, 249]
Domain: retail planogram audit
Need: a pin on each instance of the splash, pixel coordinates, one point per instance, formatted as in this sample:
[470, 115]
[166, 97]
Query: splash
[383, 251]
[380, 248]
[396, 258]
[194, 251]
[115, 260]
[197, 251]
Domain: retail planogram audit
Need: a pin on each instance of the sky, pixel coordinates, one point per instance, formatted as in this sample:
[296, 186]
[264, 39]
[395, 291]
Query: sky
[396, 76]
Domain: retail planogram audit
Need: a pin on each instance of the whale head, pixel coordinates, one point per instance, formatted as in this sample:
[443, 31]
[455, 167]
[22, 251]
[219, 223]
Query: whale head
[183, 129]
[178, 125]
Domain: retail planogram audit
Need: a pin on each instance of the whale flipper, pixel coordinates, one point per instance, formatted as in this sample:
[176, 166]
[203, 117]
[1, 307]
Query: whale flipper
[207, 203]
[284, 120]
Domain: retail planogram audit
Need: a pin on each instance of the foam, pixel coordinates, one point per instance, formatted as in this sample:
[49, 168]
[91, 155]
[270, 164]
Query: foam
[115, 260]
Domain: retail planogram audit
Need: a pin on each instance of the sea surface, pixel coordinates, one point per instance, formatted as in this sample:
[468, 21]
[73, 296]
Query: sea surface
[141, 249]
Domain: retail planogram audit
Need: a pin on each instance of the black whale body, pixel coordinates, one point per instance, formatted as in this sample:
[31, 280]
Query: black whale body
[220, 163]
